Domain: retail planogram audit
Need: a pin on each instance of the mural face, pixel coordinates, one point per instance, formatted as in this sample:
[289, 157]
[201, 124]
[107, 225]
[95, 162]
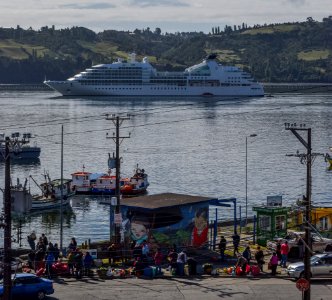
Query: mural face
[182, 226]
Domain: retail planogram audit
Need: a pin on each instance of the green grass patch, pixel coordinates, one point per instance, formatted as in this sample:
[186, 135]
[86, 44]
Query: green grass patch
[313, 55]
[224, 55]
[271, 29]
[14, 50]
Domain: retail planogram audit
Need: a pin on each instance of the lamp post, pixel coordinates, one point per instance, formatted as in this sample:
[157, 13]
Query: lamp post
[252, 135]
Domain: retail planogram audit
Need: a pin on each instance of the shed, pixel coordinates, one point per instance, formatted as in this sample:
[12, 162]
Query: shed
[271, 222]
[164, 220]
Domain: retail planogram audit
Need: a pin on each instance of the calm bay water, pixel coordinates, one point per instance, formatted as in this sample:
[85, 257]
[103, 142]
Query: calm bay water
[191, 146]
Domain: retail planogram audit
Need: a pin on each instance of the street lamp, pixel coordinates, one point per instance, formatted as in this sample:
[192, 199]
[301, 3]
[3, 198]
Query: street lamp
[252, 135]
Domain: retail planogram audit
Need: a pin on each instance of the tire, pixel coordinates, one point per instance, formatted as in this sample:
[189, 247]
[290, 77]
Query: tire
[303, 276]
[41, 295]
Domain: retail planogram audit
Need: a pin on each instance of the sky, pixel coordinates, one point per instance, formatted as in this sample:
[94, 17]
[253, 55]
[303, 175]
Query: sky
[168, 15]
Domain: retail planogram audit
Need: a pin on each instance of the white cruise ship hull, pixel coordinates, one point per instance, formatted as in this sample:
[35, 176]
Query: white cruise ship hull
[68, 88]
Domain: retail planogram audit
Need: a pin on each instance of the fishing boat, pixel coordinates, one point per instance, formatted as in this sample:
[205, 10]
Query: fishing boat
[136, 184]
[24, 201]
[104, 185]
[19, 148]
[139, 78]
[41, 203]
[83, 182]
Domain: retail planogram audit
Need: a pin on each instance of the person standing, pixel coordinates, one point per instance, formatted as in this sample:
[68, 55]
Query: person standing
[172, 258]
[222, 247]
[32, 240]
[49, 262]
[284, 254]
[236, 242]
[181, 261]
[158, 259]
[259, 256]
[145, 250]
[278, 251]
[56, 252]
[300, 246]
[44, 238]
[72, 245]
[247, 254]
[87, 262]
[274, 263]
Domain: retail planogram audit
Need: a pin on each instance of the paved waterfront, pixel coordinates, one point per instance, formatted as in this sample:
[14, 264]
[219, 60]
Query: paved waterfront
[202, 288]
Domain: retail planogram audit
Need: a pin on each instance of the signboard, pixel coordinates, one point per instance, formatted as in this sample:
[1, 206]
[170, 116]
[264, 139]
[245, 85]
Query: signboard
[302, 284]
[114, 201]
[118, 219]
[274, 200]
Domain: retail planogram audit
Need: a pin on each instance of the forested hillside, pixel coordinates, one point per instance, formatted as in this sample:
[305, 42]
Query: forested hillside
[291, 52]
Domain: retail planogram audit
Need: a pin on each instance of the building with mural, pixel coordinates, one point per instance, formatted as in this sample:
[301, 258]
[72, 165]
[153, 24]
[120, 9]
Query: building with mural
[165, 220]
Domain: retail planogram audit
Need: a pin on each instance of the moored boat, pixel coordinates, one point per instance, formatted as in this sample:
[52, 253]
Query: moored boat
[136, 184]
[104, 185]
[19, 148]
[41, 203]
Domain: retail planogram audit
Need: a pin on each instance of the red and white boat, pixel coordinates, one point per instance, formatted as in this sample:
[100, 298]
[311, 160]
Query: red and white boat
[136, 184]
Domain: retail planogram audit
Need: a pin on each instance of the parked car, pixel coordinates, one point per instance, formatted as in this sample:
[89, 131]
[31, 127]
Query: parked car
[319, 243]
[321, 266]
[27, 285]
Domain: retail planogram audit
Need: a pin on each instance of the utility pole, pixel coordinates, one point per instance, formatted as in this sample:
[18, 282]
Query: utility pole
[252, 135]
[117, 121]
[307, 159]
[61, 204]
[7, 282]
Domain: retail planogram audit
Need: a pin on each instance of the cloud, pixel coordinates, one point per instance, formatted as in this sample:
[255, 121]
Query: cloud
[98, 5]
[149, 3]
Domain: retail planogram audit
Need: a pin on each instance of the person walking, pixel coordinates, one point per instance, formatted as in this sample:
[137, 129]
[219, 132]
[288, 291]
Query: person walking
[284, 254]
[236, 242]
[273, 263]
[259, 256]
[222, 247]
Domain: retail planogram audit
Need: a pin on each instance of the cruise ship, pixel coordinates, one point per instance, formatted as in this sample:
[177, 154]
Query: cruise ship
[139, 78]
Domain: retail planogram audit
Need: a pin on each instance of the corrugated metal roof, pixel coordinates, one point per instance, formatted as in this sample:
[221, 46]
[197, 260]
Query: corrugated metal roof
[163, 200]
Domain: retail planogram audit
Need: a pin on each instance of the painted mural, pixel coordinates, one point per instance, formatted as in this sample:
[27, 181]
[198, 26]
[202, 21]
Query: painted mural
[183, 226]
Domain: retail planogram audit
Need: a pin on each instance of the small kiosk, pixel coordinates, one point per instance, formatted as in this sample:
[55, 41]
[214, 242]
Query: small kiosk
[271, 222]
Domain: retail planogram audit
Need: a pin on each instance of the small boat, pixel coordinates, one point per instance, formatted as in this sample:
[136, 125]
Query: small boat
[19, 149]
[41, 203]
[136, 184]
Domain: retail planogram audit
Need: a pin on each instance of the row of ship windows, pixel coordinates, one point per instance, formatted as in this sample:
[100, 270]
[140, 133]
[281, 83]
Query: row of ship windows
[180, 88]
